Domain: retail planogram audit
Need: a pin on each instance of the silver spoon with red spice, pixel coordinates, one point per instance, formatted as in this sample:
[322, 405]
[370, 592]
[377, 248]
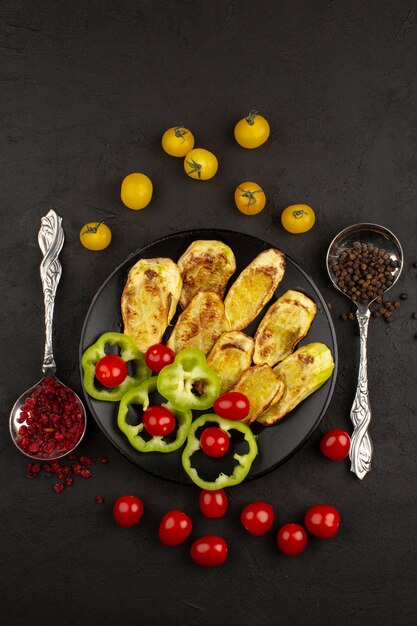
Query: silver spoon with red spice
[364, 261]
[48, 420]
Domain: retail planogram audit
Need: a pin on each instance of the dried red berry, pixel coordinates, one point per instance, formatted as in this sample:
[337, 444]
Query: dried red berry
[85, 473]
[102, 459]
[59, 487]
[32, 470]
[76, 468]
[87, 460]
[69, 481]
[99, 499]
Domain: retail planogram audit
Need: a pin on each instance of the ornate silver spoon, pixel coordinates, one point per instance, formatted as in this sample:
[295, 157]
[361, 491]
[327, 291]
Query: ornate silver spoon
[51, 240]
[361, 448]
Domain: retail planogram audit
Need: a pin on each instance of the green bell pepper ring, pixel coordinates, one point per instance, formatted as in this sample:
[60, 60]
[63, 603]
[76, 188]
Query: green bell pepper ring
[128, 352]
[244, 460]
[140, 395]
[189, 383]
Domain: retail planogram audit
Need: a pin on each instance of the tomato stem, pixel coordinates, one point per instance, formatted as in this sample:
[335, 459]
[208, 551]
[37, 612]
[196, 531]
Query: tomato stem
[195, 167]
[180, 131]
[92, 229]
[250, 195]
[298, 214]
[251, 117]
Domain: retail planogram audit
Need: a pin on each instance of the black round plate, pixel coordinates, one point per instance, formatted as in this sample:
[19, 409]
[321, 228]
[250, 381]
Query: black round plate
[276, 443]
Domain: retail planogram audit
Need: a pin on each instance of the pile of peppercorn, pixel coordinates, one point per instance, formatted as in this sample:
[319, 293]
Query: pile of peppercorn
[364, 272]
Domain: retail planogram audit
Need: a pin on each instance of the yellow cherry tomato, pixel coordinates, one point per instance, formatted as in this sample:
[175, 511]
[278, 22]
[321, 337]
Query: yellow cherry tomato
[177, 141]
[298, 218]
[252, 131]
[95, 236]
[200, 164]
[136, 192]
[250, 198]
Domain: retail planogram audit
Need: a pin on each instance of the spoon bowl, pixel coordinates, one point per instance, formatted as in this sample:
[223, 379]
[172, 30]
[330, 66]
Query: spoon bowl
[361, 448]
[51, 240]
[374, 234]
[15, 424]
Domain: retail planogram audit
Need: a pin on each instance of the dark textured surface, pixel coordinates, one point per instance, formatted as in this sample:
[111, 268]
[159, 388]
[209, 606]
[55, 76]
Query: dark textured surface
[86, 91]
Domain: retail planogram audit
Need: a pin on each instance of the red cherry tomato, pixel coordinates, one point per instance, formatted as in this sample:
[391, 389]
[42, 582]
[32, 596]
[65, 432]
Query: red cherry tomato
[322, 521]
[175, 527]
[292, 539]
[158, 421]
[214, 442]
[257, 518]
[209, 551]
[157, 356]
[335, 445]
[111, 370]
[232, 406]
[127, 511]
[213, 503]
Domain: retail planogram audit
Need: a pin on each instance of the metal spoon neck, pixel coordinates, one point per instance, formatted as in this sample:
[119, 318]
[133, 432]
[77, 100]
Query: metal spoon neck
[49, 369]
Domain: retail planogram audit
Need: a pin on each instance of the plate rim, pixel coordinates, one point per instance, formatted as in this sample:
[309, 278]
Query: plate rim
[188, 233]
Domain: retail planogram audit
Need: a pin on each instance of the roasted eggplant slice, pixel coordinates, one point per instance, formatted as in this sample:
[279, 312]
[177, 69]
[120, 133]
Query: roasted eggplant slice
[149, 300]
[262, 387]
[200, 324]
[205, 266]
[254, 287]
[230, 356]
[285, 323]
[303, 372]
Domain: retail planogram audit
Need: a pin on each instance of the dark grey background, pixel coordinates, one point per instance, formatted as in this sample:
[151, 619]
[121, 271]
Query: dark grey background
[87, 88]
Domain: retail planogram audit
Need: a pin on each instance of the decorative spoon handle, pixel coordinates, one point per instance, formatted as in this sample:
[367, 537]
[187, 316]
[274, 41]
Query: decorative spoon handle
[361, 445]
[51, 240]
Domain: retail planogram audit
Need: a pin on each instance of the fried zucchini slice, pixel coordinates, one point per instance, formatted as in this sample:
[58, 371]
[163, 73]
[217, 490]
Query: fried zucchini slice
[149, 300]
[200, 324]
[205, 266]
[285, 323]
[303, 372]
[262, 387]
[254, 287]
[230, 356]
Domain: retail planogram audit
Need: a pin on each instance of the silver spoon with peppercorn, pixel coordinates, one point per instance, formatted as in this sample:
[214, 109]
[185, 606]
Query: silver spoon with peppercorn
[48, 420]
[364, 261]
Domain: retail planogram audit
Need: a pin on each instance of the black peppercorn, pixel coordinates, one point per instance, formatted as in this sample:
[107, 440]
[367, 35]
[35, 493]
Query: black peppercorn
[363, 271]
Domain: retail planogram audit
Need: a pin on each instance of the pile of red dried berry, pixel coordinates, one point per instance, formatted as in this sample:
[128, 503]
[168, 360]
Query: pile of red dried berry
[76, 466]
[51, 419]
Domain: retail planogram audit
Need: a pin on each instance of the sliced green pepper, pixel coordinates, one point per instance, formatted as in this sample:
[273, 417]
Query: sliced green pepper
[244, 460]
[189, 383]
[140, 395]
[128, 352]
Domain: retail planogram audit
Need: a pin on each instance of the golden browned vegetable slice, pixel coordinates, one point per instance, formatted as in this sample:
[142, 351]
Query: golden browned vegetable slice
[205, 266]
[149, 300]
[261, 386]
[230, 356]
[303, 372]
[254, 287]
[200, 324]
[285, 323]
